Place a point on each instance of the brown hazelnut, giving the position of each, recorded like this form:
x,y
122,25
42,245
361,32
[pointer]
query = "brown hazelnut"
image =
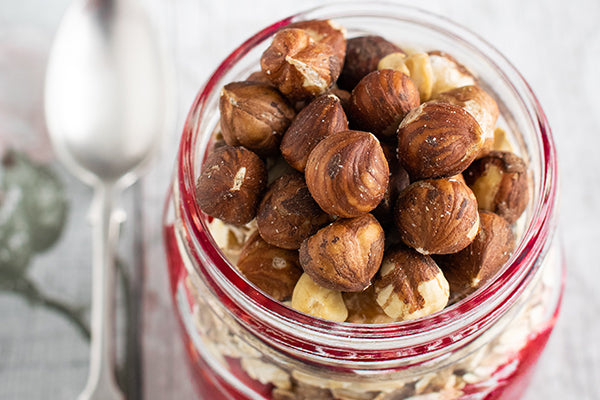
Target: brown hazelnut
x,y
448,73
500,183
300,67
254,115
259,76
325,31
319,119
363,53
347,173
480,105
364,309
381,100
345,254
438,140
344,97
288,214
437,216
273,270
231,183
478,262
410,285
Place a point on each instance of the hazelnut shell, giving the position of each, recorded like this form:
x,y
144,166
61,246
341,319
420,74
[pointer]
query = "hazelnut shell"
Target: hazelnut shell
x,y
363,53
300,67
320,118
345,254
231,184
438,140
254,115
500,183
381,100
437,216
288,214
410,285
482,259
347,173
273,270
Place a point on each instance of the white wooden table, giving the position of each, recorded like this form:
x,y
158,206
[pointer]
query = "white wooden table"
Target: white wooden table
x,y
556,46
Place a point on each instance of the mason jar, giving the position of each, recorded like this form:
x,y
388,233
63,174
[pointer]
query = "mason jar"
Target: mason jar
x,y
242,344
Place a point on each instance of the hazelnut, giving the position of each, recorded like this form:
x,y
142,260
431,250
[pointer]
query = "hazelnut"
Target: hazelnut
x,y
319,119
325,31
254,115
363,53
417,66
231,183
480,105
399,179
448,73
394,61
438,140
501,141
300,67
288,214
347,173
478,262
345,254
259,76
500,183
364,309
273,270
437,216
410,285
310,298
381,100
343,95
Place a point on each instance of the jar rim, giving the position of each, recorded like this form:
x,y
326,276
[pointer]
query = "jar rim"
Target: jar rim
x,y
299,333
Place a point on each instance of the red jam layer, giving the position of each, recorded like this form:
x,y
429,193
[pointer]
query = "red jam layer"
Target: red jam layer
x,y
510,380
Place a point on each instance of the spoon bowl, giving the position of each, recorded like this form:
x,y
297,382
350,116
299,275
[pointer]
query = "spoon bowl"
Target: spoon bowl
x,y
105,97
107,100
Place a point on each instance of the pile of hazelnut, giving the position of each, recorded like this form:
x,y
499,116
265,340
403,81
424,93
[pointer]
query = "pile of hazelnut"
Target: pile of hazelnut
x,y
393,200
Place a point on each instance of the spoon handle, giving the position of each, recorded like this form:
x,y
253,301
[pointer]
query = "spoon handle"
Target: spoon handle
x,y
101,384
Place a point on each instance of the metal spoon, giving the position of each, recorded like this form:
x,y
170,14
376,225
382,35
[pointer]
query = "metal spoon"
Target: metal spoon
x,y
106,102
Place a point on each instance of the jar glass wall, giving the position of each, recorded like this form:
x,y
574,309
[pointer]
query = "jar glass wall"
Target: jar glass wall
x,y
243,344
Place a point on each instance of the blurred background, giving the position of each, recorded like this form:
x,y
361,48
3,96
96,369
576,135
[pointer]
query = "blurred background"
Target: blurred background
x,y
45,251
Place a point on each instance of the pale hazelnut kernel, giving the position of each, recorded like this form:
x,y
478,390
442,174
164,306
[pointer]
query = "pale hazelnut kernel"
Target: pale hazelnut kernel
x,y
310,298
345,254
448,73
437,216
410,285
394,61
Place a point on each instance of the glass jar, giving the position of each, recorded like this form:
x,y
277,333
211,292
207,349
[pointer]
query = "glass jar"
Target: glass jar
x,y
244,345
